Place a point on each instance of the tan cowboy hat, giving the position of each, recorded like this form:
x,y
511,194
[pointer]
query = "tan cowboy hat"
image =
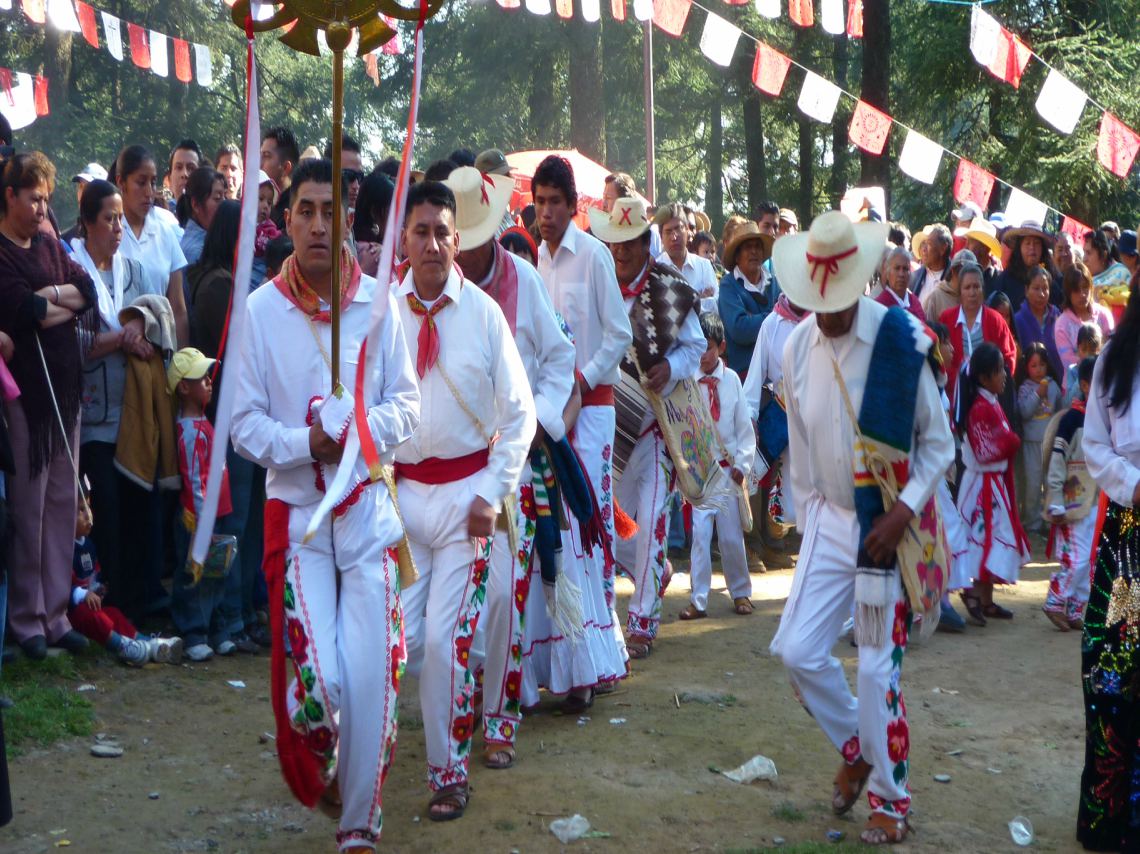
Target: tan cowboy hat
x,y
984,231
703,221
626,221
746,232
827,268
480,202
918,239
1029,228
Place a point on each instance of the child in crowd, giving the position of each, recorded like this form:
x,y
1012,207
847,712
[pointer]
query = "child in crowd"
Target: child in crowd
x,y
196,603
734,425
1071,502
996,544
276,252
1038,398
1089,341
267,230
105,624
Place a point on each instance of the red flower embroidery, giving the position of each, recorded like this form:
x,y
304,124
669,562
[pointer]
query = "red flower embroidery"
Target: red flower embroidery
x,y
899,631
298,643
462,649
463,727
514,684
898,740
526,503
851,750
605,483
478,572
516,652
659,531
320,740
606,451
395,668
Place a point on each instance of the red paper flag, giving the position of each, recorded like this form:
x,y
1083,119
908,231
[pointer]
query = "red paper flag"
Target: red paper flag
x,y
972,184
392,46
87,23
372,68
617,9
736,2
801,12
769,70
1010,59
6,86
140,45
36,10
1116,146
670,15
869,128
509,4
564,8
182,60
1075,229
41,90
855,19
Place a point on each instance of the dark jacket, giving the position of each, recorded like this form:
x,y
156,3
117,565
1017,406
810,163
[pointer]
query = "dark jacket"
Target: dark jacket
x,y
918,279
742,312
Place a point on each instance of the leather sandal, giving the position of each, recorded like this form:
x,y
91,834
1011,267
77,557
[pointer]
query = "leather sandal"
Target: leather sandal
x,y
849,783
456,795
973,606
1057,619
639,647
691,612
492,754
894,830
743,605
330,803
994,611
575,704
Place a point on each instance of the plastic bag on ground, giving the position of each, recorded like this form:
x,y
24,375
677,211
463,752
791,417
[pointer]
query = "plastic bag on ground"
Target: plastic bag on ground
x,y
756,768
569,829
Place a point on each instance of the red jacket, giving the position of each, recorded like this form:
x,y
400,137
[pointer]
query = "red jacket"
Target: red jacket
x,y
994,330
887,298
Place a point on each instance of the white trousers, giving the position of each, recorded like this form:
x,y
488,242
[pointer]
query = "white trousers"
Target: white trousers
x,y
643,492
441,612
734,563
823,592
345,647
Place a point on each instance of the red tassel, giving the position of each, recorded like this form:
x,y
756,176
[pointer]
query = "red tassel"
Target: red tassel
x,y
624,526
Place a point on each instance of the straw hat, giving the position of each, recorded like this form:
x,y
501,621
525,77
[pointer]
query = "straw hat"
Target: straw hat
x,y
480,202
1029,228
918,239
827,268
703,221
746,232
625,222
985,233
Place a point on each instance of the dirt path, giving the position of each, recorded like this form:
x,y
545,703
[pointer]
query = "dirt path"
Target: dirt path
x,y
192,739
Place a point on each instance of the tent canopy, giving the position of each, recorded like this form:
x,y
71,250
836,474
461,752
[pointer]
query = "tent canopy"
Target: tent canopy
x,y
589,175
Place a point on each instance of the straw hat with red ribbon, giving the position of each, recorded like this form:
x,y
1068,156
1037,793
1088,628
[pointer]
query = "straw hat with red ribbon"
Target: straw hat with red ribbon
x,y
827,268
480,202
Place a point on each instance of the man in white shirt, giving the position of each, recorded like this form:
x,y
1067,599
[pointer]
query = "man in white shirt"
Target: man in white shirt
x,y
698,271
667,348
548,357
477,420
578,272
826,271
336,723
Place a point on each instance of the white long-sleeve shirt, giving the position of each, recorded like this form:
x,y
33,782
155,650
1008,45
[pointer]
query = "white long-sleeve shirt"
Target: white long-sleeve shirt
x,y
546,352
767,365
482,361
821,437
583,286
283,369
699,273
1112,440
734,426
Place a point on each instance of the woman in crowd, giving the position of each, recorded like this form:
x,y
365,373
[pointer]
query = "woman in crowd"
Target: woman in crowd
x,y
1110,657
205,189
971,324
1103,262
748,293
1030,247
45,302
148,238
517,240
117,504
1036,320
1079,307
370,220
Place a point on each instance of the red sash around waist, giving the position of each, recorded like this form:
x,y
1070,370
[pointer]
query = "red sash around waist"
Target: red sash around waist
x,y
602,395
437,470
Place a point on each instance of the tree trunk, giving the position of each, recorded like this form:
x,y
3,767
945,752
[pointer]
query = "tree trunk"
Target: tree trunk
x,y
542,105
876,171
57,64
587,97
804,203
714,193
751,112
839,150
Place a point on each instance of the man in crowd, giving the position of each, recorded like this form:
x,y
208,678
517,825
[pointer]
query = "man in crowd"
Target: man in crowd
x,y
184,159
667,348
336,722
854,366
228,161
90,172
789,222
454,475
351,166
619,185
675,237
934,245
768,218
279,157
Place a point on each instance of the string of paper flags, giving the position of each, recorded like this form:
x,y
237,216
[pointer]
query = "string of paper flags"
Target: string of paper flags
x,y
23,98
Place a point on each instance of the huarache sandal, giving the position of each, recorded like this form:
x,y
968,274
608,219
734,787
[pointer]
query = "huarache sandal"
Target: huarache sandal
x,y
743,605
973,608
639,648
454,796
849,783
1077,624
1057,619
996,612
576,704
330,803
691,612
498,756
881,829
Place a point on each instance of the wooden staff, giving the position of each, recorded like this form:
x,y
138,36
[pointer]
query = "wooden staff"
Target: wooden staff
x,y
337,35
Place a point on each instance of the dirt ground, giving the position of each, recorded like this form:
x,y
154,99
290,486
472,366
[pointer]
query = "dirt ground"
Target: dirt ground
x,y
194,776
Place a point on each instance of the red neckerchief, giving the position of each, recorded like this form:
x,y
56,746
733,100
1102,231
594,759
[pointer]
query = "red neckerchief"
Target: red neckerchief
x,y
634,291
294,288
710,382
1079,405
427,345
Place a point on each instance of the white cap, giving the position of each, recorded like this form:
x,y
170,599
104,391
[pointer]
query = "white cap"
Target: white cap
x,y
90,172
968,212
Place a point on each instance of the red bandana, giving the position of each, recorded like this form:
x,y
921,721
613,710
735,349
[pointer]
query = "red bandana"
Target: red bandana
x,y
299,292
714,399
634,290
427,345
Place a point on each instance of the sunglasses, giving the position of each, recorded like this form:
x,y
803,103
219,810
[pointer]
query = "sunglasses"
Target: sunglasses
x,y
351,175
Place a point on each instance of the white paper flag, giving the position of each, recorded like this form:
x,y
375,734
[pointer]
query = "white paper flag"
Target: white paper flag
x,y
643,9
20,111
1022,208
538,7
159,63
768,8
591,10
832,18
6,5
920,157
113,35
719,39
62,15
203,67
1061,102
984,35
818,97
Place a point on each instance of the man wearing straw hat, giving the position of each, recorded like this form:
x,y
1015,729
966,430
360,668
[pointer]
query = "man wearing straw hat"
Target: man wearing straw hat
x,y
855,356
548,356
336,722
454,476
667,347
